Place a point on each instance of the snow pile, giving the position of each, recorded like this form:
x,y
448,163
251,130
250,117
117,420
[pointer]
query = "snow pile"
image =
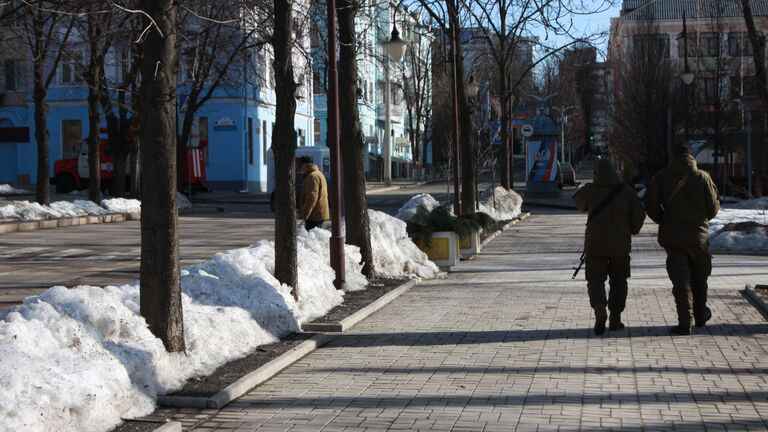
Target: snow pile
x,y
408,210
394,254
31,211
122,205
739,230
508,204
6,189
182,201
80,359
754,204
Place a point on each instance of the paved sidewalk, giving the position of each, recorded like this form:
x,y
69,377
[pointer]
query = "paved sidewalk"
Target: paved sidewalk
x,y
505,343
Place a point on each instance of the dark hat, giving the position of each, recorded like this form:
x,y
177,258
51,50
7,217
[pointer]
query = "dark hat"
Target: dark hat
x,y
681,148
306,160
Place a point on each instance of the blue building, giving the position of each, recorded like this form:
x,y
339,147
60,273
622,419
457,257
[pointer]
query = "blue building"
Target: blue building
x,y
234,127
373,27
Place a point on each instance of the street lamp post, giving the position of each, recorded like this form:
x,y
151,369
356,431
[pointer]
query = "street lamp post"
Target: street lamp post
x,y
396,50
687,77
746,104
337,239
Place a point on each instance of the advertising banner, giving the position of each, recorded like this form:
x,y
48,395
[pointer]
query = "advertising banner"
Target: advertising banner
x,y
542,161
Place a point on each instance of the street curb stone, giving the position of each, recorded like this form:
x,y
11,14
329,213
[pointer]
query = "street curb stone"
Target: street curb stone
x,y
24,226
745,253
361,314
246,383
749,290
170,426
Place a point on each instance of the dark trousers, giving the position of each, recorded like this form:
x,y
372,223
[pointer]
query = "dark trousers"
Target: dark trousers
x,y
688,269
598,270
310,224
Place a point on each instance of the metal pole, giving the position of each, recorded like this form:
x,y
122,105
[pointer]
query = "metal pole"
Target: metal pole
x,y
337,239
388,128
456,160
749,152
562,134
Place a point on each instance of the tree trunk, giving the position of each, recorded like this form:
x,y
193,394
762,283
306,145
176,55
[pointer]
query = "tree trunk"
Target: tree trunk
x,y
507,156
467,155
758,49
352,143
160,288
94,162
43,190
284,147
136,168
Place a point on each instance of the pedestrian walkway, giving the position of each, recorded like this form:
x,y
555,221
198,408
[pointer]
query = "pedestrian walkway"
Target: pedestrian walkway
x,y
505,343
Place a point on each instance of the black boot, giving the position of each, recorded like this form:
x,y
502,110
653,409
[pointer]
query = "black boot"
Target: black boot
x,y
680,330
702,320
600,317
614,323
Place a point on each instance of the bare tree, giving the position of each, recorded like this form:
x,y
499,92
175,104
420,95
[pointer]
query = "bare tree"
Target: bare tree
x,y
416,75
757,40
160,288
352,142
645,87
217,44
45,30
284,146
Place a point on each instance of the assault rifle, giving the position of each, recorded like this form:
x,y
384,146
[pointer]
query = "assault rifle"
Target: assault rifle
x,y
581,264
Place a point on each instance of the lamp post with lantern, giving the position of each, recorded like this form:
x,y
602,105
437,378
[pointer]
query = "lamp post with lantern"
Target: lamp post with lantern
x,y
396,48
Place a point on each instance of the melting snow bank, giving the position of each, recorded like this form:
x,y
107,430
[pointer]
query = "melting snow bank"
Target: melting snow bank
x,y
31,211
501,203
739,230
122,205
6,189
80,359
408,210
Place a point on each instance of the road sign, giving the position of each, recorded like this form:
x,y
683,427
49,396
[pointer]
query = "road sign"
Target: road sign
x,y
527,130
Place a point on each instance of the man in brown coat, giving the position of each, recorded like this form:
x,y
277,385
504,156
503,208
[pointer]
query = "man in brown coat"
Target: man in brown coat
x,y
313,208
682,200
615,214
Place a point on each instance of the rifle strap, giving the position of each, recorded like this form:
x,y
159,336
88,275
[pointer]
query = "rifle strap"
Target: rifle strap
x,y
602,205
677,190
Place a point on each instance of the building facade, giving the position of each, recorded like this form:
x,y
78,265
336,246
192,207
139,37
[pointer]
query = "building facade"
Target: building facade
x,y
233,127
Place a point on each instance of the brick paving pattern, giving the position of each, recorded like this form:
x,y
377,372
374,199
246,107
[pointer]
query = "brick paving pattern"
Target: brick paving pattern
x,y
505,343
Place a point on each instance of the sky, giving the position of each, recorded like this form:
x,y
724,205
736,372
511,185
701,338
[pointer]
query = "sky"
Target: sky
x,y
591,24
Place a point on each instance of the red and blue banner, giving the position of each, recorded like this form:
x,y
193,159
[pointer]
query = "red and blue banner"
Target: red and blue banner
x,y
542,161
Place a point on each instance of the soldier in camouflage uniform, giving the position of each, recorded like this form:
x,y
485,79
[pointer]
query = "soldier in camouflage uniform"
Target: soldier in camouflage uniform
x,y
682,200
608,240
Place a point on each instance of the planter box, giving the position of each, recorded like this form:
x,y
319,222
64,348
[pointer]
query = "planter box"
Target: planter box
x,y
470,244
443,250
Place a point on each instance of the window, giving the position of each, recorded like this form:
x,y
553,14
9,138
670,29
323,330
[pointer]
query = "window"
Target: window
x,y
203,130
708,89
739,45
264,141
712,45
72,67
250,140
71,138
13,75
656,45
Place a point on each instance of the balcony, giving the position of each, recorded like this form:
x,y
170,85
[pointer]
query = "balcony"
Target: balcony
x,y
395,112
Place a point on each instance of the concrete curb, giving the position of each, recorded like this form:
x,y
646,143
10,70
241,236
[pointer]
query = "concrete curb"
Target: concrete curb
x,y
168,426
23,226
492,237
749,290
743,253
246,383
362,314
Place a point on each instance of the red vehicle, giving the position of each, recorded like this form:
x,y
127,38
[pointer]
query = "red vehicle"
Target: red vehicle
x,y
72,173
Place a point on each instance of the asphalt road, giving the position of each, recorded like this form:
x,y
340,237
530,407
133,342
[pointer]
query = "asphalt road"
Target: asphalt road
x,y
108,254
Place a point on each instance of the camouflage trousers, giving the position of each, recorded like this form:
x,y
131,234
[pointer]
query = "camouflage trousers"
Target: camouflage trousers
x,y
614,269
688,268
